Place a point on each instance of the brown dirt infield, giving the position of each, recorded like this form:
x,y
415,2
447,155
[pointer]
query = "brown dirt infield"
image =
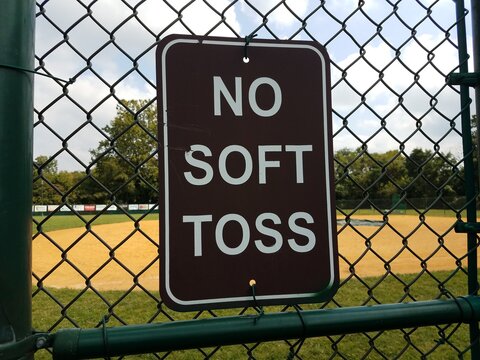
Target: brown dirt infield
x,y
137,253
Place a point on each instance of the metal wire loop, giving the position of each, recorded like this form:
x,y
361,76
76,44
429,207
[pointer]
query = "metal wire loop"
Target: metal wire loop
x,y
257,307
248,39
18,68
105,319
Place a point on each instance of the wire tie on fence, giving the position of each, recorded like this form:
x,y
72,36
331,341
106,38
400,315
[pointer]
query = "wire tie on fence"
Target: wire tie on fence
x,y
449,295
18,68
105,336
302,320
248,39
470,305
252,284
443,339
292,353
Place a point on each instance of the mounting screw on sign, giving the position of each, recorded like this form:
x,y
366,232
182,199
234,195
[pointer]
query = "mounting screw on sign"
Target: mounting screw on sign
x,y
246,191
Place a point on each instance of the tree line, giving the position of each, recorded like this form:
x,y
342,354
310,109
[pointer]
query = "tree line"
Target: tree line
x,y
125,169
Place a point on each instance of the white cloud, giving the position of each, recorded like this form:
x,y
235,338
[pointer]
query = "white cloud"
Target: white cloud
x,y
281,16
418,94
343,8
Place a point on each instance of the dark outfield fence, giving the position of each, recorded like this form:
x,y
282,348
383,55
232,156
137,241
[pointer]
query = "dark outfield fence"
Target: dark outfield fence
x,y
400,80
449,205
87,209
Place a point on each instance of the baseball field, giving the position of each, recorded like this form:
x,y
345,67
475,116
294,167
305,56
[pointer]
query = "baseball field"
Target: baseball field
x,y
404,243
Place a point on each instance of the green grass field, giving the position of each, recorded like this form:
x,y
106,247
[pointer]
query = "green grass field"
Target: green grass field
x,y
60,222
138,307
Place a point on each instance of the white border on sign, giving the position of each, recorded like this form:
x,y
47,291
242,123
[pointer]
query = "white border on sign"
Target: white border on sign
x,y
166,162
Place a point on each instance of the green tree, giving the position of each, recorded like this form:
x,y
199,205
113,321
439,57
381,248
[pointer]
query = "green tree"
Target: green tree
x,y
460,183
74,183
359,174
345,186
392,177
430,173
126,162
475,139
44,175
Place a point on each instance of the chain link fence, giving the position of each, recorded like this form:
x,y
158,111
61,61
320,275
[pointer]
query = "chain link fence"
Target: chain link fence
x,y
399,173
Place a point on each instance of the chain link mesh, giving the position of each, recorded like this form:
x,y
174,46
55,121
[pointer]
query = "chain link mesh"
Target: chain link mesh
x,y
389,94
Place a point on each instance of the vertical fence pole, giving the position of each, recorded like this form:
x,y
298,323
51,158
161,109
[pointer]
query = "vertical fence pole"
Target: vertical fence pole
x,y
475,11
476,67
470,188
17,24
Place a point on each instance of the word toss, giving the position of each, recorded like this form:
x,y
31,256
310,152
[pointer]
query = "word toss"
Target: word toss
x,y
245,155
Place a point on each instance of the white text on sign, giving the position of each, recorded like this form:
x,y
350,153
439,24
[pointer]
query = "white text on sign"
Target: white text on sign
x,y
200,157
263,163
236,104
199,220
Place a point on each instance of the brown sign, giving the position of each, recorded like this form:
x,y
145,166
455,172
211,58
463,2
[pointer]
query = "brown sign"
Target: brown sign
x,y
246,173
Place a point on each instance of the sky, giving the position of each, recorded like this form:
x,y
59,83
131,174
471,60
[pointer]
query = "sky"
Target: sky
x,y
390,96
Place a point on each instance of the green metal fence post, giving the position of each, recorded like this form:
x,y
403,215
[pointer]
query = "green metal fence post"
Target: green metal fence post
x,y
470,188
475,9
70,344
17,23
476,66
